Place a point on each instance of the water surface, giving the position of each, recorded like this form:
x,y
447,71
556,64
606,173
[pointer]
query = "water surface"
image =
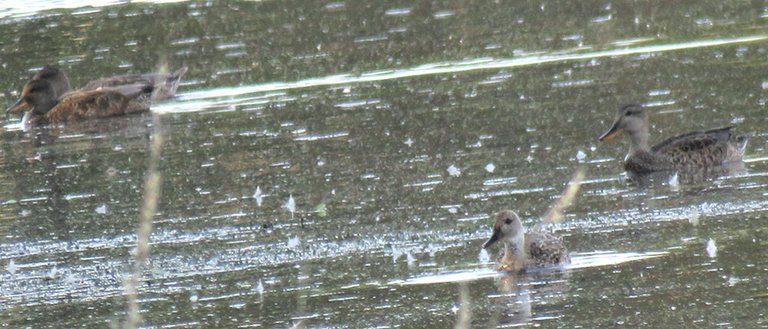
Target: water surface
x,y
397,129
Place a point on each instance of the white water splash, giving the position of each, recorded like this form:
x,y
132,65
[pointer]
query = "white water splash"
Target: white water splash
x,y
454,171
258,196
674,182
483,257
294,242
290,205
53,273
580,155
102,209
695,217
11,268
260,287
410,259
711,248
396,253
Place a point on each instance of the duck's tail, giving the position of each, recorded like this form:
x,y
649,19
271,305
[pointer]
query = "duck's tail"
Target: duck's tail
x,y
168,84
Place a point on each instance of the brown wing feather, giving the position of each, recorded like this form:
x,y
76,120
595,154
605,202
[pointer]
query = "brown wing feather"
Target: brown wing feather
x,y
545,248
84,105
705,148
166,83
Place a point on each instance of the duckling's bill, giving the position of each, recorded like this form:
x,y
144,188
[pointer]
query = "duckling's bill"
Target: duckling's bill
x,y
494,237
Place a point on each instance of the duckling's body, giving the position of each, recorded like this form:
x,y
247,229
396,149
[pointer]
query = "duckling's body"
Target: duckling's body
x,y
694,150
522,250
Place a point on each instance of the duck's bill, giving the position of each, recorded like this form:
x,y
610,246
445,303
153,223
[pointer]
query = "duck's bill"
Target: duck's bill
x,y
611,133
17,107
493,239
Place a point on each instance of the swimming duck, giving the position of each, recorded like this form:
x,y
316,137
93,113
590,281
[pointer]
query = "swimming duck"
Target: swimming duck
x,y
47,108
694,150
55,103
523,250
165,83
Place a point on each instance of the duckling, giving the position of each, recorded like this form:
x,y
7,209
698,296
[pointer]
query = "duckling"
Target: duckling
x,y
522,250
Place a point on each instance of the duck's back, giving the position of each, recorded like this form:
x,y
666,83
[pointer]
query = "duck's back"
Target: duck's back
x,y
84,105
701,148
166,83
544,248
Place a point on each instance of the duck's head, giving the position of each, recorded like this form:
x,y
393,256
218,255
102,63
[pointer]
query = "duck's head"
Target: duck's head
x,y
631,118
56,77
507,228
37,93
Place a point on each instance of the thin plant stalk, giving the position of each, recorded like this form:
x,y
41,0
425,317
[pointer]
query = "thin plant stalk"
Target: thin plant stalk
x,y
152,185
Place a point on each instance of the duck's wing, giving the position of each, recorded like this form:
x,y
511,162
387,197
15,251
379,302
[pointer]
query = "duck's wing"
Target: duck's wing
x,y
84,105
694,140
166,83
545,248
699,148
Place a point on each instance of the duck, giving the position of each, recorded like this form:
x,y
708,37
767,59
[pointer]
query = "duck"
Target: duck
x,y
690,151
166,83
523,250
49,93
47,108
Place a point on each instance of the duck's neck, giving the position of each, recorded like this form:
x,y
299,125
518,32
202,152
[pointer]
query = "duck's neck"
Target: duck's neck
x,y
514,253
639,140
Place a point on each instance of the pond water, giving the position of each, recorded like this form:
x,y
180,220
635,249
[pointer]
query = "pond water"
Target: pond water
x,y
337,164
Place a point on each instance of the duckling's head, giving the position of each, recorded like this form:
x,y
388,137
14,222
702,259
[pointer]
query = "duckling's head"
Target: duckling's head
x,y
631,118
507,228
39,94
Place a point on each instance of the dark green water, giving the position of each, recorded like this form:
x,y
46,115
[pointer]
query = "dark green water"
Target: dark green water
x,y
356,111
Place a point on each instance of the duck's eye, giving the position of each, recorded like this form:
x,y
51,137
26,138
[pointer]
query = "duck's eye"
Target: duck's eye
x,y
508,221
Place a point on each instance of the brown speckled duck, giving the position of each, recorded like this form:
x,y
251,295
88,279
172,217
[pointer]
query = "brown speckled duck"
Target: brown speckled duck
x,y
165,83
47,108
49,95
523,250
691,151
